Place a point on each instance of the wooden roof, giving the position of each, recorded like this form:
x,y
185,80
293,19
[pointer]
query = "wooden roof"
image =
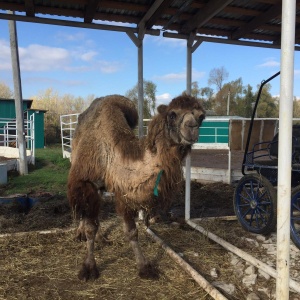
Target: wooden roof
x,y
256,23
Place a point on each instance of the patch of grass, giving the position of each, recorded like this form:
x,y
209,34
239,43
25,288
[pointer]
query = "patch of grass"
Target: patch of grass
x,y
49,174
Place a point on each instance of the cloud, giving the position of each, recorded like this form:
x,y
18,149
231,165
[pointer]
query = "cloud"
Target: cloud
x,y
88,56
5,57
164,98
53,81
34,57
42,58
173,77
64,36
109,67
270,62
39,58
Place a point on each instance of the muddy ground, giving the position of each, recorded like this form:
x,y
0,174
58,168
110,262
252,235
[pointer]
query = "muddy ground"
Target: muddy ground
x,y
44,265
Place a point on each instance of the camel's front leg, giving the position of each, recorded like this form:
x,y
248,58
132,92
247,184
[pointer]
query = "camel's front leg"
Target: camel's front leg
x,y
146,269
89,268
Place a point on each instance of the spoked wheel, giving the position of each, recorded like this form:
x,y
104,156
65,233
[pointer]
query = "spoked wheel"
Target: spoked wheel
x,y
255,204
295,216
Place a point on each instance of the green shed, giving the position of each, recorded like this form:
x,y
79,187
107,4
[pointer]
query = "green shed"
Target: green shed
x,y
8,111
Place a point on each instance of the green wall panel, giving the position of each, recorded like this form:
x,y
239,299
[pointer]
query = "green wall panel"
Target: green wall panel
x,y
214,132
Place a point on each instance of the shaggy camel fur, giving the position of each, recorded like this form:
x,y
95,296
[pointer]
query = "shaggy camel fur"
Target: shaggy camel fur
x,y
142,173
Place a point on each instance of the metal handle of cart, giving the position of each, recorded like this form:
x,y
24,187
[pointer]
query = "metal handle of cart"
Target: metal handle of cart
x,y
252,118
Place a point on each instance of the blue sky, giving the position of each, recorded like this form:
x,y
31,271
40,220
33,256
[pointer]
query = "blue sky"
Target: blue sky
x,y
82,62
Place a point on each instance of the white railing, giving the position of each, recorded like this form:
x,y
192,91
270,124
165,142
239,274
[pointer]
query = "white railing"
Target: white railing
x,y
145,126
9,137
67,126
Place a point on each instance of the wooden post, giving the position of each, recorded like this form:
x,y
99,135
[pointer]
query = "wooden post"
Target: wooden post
x,y
23,168
140,89
138,41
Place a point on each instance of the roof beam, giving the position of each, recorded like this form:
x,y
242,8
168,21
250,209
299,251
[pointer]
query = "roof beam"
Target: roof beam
x,y
147,16
160,10
264,17
29,8
90,10
212,8
75,24
178,13
225,41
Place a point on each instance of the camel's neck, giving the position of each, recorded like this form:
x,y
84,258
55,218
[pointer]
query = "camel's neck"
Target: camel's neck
x,y
158,142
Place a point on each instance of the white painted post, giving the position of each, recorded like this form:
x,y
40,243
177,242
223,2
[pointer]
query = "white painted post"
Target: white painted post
x,y
285,148
33,138
187,213
188,158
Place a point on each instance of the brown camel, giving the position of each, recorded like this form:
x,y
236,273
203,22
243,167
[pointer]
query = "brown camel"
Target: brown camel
x,y
142,173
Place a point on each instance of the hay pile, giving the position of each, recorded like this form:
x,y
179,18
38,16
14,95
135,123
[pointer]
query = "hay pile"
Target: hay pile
x,y
45,266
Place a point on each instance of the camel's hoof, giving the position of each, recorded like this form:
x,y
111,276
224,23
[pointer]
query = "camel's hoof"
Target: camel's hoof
x,y
80,236
101,239
149,271
88,272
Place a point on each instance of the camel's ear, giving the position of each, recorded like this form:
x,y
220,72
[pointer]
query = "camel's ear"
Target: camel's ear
x,y
162,109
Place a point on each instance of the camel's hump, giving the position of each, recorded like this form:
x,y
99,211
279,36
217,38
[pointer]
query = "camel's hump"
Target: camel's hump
x,y
110,105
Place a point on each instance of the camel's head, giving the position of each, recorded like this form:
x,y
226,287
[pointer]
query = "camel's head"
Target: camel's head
x,y
184,116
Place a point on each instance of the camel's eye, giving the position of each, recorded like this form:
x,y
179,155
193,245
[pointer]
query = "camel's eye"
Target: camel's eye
x,y
172,115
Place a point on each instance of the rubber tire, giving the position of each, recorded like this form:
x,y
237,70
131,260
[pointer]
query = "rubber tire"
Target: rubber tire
x,y
295,232
250,217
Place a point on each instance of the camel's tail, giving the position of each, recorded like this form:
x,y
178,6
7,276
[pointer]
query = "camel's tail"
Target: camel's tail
x,y
84,199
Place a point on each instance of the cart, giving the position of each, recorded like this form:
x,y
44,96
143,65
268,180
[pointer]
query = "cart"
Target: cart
x,y
255,196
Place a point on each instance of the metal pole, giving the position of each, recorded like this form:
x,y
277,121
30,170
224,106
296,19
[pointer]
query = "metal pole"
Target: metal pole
x,y
188,158
138,41
285,147
23,168
140,89
189,70
228,102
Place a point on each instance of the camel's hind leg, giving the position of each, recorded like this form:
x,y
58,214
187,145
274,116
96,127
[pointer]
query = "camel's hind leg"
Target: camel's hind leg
x,y
85,200
146,269
89,268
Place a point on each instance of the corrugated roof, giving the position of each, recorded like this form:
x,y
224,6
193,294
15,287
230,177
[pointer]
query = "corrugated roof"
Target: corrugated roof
x,y
236,21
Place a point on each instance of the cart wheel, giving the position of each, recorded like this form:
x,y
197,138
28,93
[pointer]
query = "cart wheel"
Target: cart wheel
x,y
255,204
295,216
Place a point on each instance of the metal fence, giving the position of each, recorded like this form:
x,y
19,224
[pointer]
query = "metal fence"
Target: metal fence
x,y
9,137
67,126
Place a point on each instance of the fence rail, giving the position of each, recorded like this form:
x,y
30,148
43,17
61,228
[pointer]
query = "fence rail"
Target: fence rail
x,y
9,137
67,126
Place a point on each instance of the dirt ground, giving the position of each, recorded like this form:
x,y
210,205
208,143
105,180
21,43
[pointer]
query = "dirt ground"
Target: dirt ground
x,y
44,265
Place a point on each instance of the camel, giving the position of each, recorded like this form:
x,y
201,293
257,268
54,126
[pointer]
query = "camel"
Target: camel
x,y
143,174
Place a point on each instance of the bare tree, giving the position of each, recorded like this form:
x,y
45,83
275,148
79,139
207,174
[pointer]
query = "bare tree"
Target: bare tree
x,y
5,91
195,89
149,98
217,76
57,105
